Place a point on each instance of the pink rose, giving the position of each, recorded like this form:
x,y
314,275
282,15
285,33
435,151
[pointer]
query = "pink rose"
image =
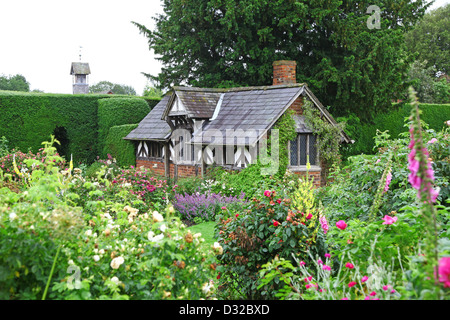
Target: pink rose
x,y
364,279
341,224
267,193
352,284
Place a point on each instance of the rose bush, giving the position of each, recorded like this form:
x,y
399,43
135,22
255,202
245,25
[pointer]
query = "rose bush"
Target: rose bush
x,y
274,225
104,248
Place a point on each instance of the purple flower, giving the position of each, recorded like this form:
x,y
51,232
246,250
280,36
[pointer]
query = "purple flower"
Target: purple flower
x,y
203,205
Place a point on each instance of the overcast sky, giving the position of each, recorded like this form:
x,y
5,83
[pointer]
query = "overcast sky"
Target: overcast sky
x,y
41,38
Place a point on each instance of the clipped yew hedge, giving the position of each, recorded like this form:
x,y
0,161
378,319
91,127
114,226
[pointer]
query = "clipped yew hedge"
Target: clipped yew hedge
x,y
27,119
119,111
432,114
122,150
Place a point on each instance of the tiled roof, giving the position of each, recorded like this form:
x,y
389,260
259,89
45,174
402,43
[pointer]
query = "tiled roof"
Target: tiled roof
x,y
198,104
300,124
248,114
152,127
80,68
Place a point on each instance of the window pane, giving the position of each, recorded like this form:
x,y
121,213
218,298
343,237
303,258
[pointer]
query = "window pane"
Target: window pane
x,y
181,148
312,150
294,153
303,149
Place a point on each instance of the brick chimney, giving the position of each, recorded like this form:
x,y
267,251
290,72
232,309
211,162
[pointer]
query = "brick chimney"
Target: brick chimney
x,y
284,72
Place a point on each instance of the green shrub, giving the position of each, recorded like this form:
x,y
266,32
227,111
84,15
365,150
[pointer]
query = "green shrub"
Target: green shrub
x,y
119,111
276,224
29,118
122,150
432,114
103,249
92,170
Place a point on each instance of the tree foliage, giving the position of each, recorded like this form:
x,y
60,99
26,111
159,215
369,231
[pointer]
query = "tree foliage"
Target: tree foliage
x,y
105,86
14,83
429,87
430,39
348,64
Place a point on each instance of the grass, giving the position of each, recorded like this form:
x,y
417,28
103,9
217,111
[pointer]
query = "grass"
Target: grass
x,y
207,231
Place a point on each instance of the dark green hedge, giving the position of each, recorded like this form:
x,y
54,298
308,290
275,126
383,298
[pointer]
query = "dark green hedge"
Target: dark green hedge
x,y
433,114
122,150
119,111
28,119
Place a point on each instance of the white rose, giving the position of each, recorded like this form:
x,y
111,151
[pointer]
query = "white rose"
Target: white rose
x,y
116,262
163,227
12,216
158,238
217,247
115,280
88,232
96,258
150,235
157,217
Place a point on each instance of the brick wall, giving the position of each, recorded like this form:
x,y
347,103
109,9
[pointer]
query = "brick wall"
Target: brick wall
x,y
296,106
157,167
318,181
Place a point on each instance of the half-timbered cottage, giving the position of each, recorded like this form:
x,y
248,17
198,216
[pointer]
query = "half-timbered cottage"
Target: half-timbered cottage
x,y
193,128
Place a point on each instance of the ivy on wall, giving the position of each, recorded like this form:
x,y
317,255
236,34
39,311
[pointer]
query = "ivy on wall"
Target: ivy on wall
x,y
286,132
329,135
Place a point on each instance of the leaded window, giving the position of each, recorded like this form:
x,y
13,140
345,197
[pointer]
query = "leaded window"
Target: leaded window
x,y
302,146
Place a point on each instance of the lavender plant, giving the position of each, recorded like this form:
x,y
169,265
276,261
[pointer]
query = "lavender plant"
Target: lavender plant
x,y
204,205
